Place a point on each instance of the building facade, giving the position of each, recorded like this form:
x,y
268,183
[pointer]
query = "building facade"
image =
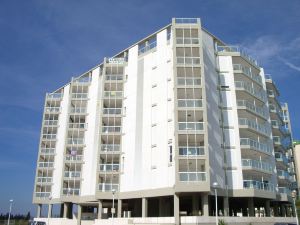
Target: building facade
x,y
155,126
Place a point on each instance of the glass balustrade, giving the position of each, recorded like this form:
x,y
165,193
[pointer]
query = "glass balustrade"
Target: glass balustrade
x,y
110,147
109,167
108,187
258,185
192,103
192,126
192,176
263,147
191,151
256,164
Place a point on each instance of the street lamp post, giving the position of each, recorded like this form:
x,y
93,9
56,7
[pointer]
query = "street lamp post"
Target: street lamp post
x,y
294,195
113,203
215,185
10,207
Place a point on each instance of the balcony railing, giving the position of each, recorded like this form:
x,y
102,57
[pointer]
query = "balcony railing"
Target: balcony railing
x,y
78,110
82,80
49,136
113,94
251,107
282,174
187,41
239,50
108,187
74,157
188,60
72,174
50,122
42,194
256,164
190,103
44,179
77,125
55,96
253,125
114,77
75,141
109,167
52,109
110,147
185,20
190,126
192,176
46,164
258,185
71,191
281,158
247,71
263,147
111,129
47,151
112,111
79,95
188,81
191,151
241,85
147,47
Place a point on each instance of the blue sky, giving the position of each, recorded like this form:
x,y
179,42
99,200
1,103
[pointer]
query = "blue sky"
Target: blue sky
x,y
43,43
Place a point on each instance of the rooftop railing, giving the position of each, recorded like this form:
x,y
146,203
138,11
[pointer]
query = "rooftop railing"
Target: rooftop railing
x,y
186,20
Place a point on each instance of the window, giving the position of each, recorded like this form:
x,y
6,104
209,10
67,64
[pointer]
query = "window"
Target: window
x,y
170,154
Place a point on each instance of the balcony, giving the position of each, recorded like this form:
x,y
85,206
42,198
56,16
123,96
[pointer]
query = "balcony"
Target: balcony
x,y
109,167
46,164
82,80
247,87
114,77
238,68
72,174
181,81
49,136
192,176
145,48
251,124
47,151
188,60
42,194
113,94
187,41
54,96
191,151
50,123
282,174
74,157
112,111
277,140
111,129
108,187
71,191
190,103
52,109
77,125
81,96
190,126
80,110
44,179
257,165
110,147
258,185
260,111
252,144
281,158
75,141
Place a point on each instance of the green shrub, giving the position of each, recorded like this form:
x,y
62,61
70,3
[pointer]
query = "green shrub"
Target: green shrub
x,y
222,222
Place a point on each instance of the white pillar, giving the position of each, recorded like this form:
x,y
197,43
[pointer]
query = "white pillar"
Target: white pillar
x,y
144,207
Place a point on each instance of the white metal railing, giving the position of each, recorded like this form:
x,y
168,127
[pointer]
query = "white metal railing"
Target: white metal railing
x,y
114,77
49,136
108,187
112,111
78,110
261,165
71,191
239,50
263,147
52,109
247,71
109,167
47,150
188,81
193,103
75,141
72,174
251,107
263,129
50,122
46,164
55,96
82,80
44,179
187,41
192,176
110,147
190,126
259,185
113,94
188,60
77,125
147,47
79,95
111,129
42,194
191,151
186,20
74,157
242,85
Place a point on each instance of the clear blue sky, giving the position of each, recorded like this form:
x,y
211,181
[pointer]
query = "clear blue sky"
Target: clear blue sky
x,y
43,43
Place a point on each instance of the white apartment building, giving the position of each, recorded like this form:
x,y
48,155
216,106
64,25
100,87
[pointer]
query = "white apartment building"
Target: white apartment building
x,y
159,126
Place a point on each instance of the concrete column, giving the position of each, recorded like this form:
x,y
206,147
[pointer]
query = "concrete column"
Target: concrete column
x,y
204,205
251,207
144,207
226,206
161,207
39,210
195,204
282,210
176,209
65,210
50,210
267,208
119,215
79,212
100,206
